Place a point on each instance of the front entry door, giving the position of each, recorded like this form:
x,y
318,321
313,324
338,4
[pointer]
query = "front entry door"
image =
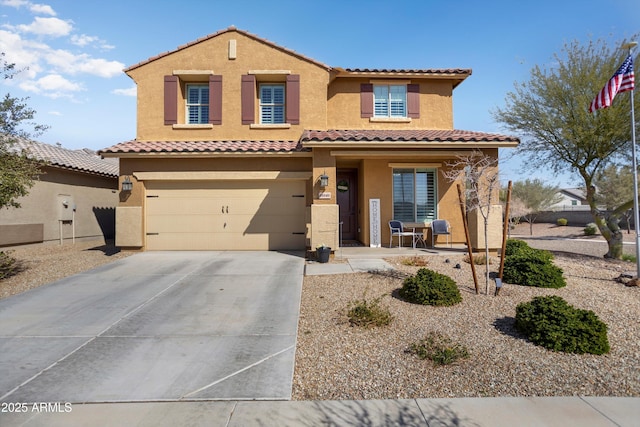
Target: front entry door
x,y
347,191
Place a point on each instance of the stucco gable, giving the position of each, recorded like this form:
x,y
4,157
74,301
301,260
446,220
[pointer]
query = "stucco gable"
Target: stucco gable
x,y
225,31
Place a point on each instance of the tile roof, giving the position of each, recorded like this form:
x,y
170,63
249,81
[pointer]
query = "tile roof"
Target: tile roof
x,y
226,30
82,160
409,135
204,147
460,71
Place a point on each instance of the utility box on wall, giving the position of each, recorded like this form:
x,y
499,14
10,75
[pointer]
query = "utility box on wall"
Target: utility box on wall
x,y
66,207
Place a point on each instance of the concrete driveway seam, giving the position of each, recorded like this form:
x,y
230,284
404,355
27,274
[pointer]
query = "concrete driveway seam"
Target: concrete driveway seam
x,y
264,359
80,347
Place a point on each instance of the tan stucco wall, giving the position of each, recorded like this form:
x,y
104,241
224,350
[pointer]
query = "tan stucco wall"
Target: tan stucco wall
x,y
436,108
212,54
95,198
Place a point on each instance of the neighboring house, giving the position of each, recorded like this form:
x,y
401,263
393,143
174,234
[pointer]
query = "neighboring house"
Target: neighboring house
x,y
243,144
75,196
571,199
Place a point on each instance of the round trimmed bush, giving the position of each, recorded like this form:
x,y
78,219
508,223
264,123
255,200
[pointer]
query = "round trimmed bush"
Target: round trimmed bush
x,y
533,267
591,229
428,287
562,222
550,322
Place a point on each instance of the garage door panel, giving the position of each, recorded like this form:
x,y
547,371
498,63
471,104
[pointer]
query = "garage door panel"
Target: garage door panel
x,y
226,215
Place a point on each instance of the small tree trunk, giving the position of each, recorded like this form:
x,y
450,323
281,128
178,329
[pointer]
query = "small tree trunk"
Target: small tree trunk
x,y
486,253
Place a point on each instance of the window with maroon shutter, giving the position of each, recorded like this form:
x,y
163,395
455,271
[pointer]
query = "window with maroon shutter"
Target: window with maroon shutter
x,y
293,99
170,100
247,98
413,101
215,100
366,100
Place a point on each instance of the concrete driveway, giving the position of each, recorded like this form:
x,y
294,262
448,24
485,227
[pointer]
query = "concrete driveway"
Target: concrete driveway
x,y
156,326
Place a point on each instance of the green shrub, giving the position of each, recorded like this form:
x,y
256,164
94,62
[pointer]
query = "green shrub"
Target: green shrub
x,y
8,265
439,349
550,322
430,288
533,267
562,222
366,314
591,229
514,246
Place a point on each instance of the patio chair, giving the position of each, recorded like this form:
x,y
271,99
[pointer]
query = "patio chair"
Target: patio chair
x,y
397,229
440,227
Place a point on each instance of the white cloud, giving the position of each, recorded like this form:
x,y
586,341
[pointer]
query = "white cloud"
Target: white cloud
x,y
52,86
55,113
132,91
83,39
41,9
54,27
70,63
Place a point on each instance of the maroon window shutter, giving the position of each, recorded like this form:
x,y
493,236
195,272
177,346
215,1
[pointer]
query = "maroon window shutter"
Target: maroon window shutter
x,y
413,101
293,99
170,100
215,100
248,99
366,100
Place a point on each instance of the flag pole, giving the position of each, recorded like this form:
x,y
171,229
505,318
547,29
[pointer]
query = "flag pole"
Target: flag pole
x,y
636,218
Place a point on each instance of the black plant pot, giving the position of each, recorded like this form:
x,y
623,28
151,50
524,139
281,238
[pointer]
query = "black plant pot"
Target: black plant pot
x,y
323,254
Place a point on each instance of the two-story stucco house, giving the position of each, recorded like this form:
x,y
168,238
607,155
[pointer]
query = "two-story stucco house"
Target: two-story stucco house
x,y
245,145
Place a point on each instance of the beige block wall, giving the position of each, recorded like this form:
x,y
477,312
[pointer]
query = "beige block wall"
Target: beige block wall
x,y
324,226
95,198
212,54
494,228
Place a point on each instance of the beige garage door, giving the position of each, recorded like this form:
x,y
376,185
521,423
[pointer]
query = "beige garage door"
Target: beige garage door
x,y
225,215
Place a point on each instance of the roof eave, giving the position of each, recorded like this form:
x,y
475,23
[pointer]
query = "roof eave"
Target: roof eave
x,y
410,144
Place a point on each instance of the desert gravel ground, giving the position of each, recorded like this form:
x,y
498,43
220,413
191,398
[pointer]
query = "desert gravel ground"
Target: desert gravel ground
x,y
337,361
46,263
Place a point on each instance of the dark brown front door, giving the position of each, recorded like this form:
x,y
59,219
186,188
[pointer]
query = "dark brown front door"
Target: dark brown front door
x,y
347,191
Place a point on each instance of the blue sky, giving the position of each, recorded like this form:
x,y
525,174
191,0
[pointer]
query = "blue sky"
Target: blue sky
x,y
74,51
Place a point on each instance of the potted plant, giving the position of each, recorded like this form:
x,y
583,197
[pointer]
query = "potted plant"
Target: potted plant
x,y
322,253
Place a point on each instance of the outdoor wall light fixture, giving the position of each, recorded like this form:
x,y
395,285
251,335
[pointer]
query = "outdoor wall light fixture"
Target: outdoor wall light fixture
x,y
324,180
127,185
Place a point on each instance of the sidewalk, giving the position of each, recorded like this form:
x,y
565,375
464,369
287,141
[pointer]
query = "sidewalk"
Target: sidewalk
x,y
473,412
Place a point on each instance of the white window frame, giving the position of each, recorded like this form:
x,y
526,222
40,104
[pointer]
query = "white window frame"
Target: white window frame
x,y
430,205
388,106
200,105
271,106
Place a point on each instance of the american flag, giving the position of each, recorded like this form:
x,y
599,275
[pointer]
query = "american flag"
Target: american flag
x,y
621,81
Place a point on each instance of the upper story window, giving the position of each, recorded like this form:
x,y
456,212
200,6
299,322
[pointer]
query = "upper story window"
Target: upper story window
x,y
390,100
192,99
272,103
270,99
197,104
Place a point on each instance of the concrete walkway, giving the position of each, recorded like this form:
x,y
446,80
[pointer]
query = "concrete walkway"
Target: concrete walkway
x,y
468,412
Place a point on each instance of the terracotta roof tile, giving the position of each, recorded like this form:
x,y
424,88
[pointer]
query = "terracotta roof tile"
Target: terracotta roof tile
x,y
82,160
461,71
203,147
427,135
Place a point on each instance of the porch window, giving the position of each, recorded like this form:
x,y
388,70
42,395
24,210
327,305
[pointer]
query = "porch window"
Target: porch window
x,y
390,100
414,195
272,104
197,103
